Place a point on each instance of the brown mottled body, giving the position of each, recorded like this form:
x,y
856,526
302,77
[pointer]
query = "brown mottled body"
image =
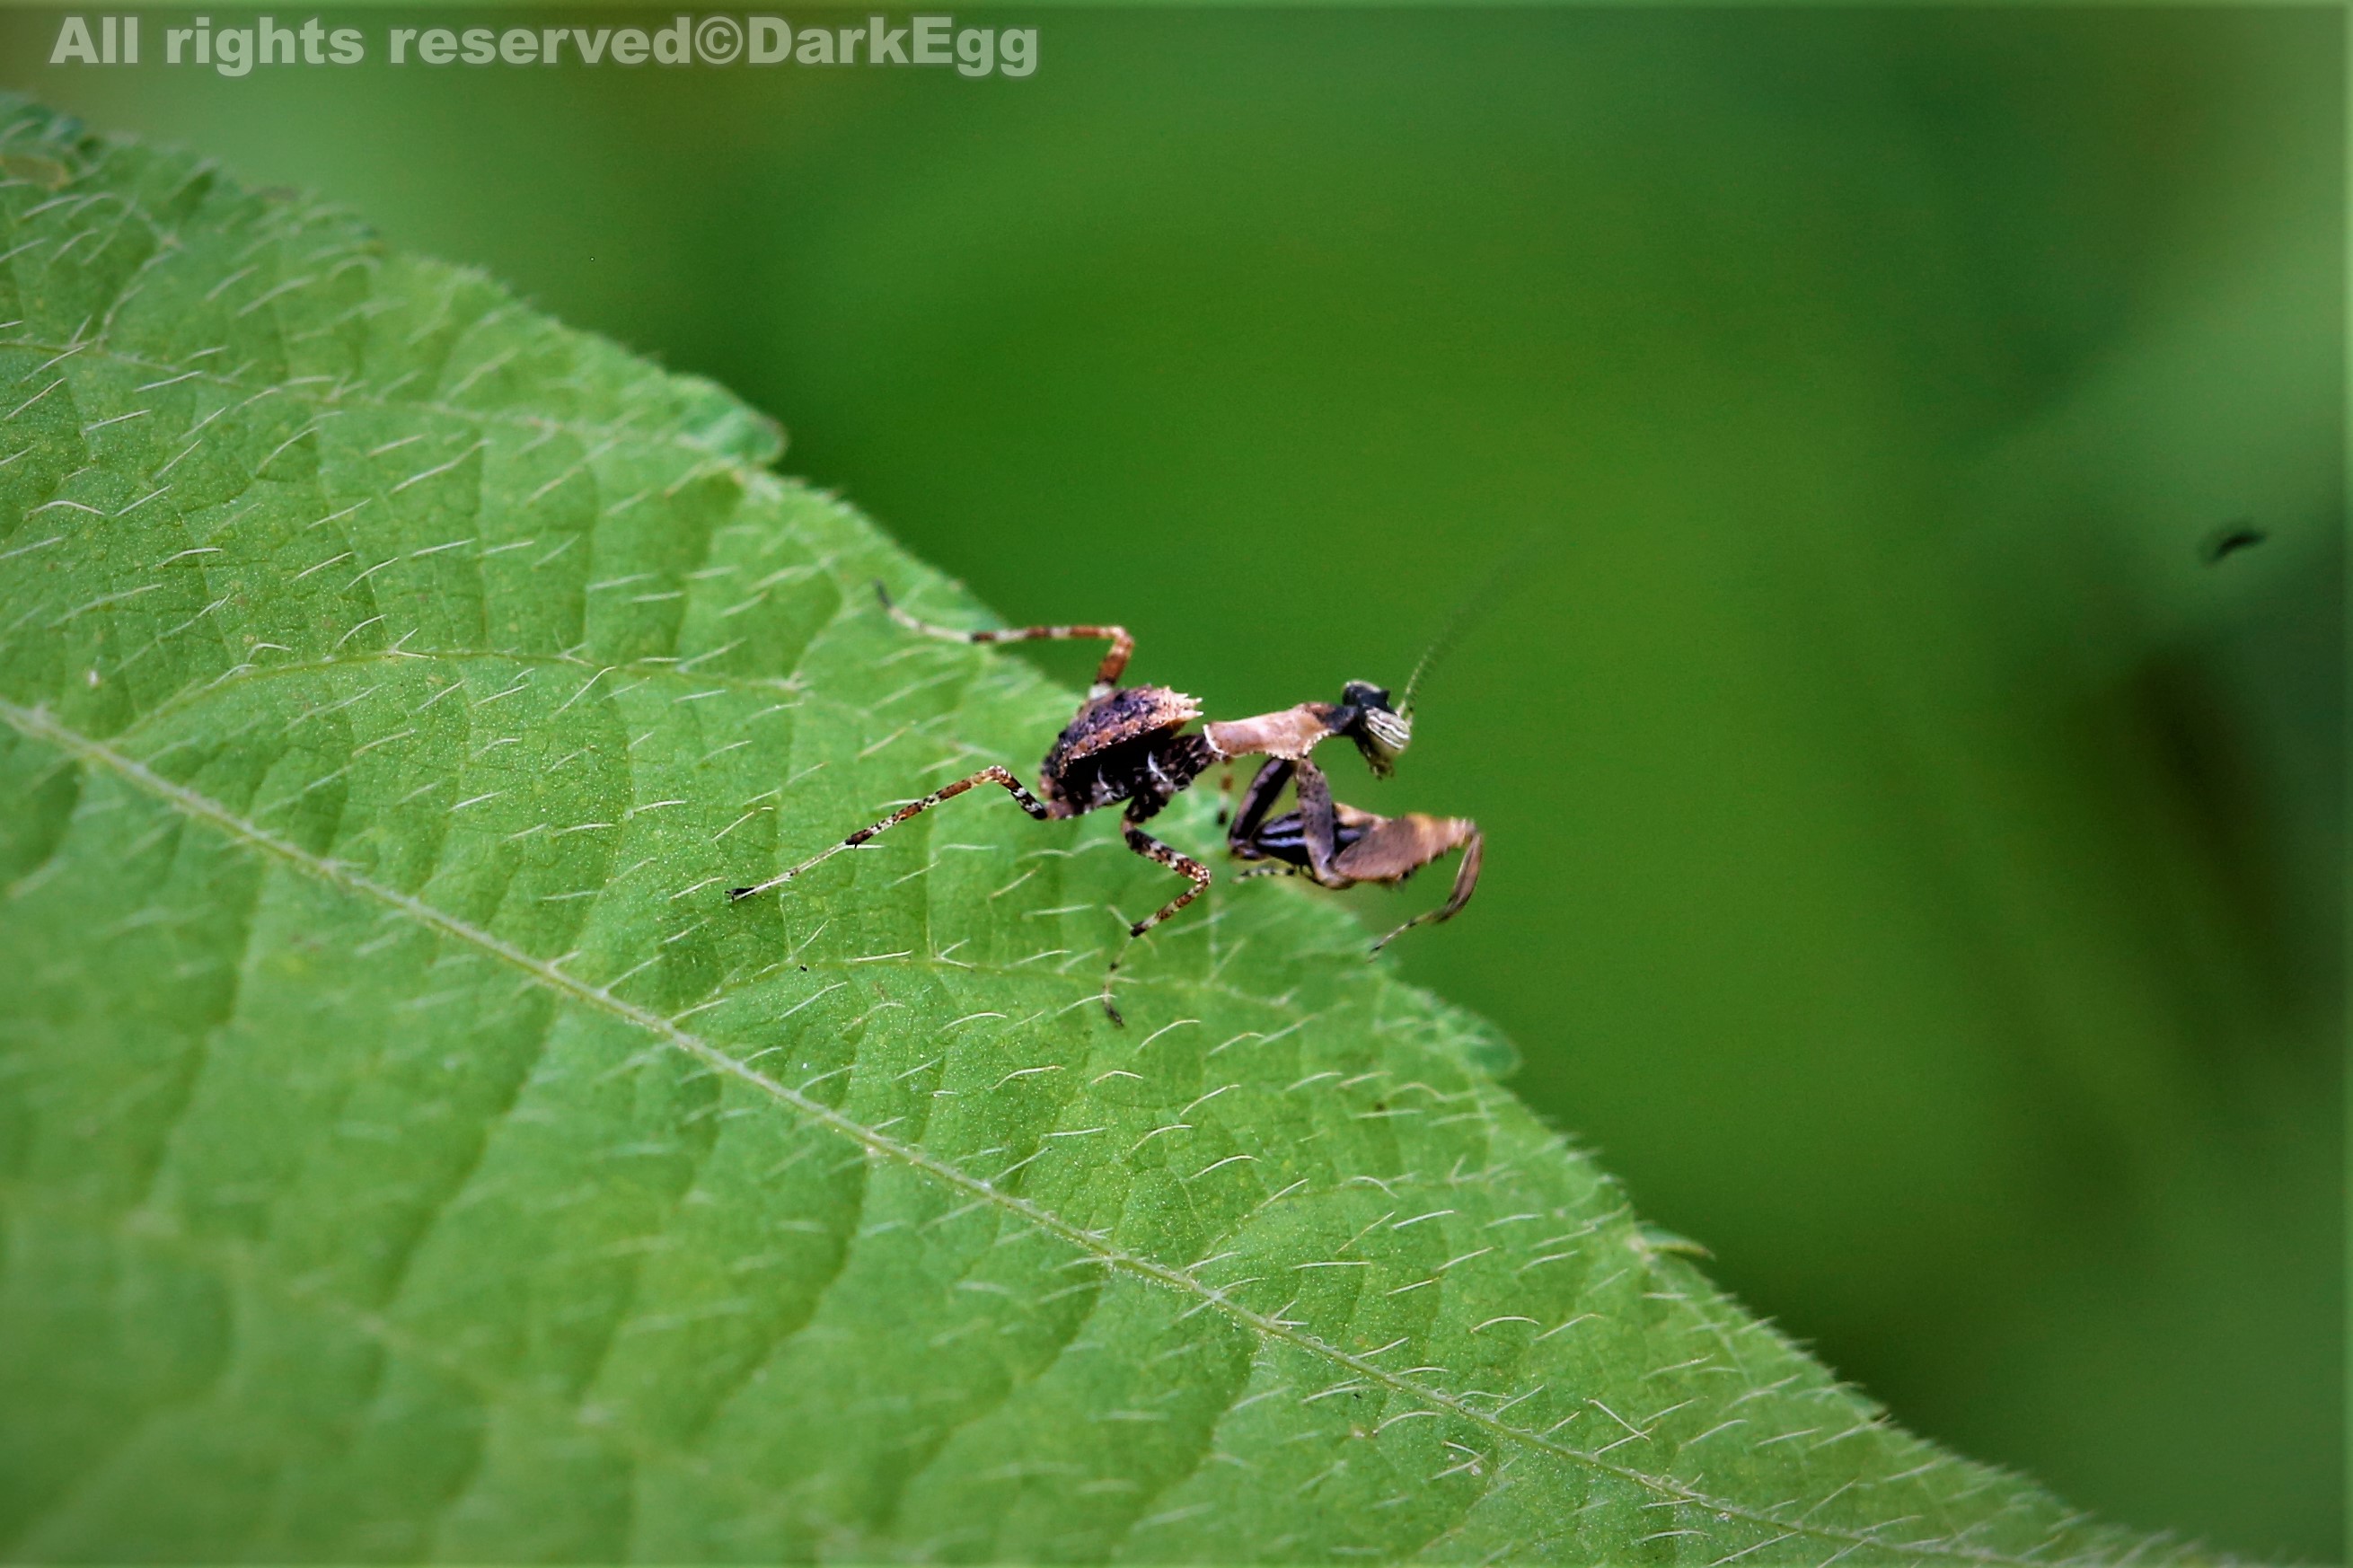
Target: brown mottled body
x,y
1131,744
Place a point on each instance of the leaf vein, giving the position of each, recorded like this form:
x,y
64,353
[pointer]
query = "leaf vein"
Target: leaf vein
x,y
39,724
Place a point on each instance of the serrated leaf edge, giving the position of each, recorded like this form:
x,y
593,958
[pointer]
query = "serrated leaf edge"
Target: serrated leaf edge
x,y
36,723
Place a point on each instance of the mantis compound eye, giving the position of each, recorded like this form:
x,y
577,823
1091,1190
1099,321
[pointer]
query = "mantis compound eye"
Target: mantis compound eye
x,y
1380,732
1392,733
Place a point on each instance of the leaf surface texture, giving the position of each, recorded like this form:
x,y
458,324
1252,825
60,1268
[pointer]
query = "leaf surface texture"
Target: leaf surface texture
x,y
405,1150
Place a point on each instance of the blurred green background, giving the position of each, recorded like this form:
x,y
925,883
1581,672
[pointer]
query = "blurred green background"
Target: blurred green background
x,y
1913,864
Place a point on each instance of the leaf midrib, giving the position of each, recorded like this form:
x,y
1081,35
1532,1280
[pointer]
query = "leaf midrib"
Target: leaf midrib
x,y
38,724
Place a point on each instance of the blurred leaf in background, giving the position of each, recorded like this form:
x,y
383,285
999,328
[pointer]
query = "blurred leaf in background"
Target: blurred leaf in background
x,y
1914,860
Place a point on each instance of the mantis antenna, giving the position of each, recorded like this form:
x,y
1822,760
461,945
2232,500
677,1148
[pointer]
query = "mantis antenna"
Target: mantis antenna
x,y
1497,582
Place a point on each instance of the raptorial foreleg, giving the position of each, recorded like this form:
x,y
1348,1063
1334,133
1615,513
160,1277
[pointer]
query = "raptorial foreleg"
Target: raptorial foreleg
x,y
1308,838
1393,849
1337,846
1249,820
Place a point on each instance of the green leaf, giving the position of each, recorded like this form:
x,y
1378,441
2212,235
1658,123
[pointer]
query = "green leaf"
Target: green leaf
x,y
405,1150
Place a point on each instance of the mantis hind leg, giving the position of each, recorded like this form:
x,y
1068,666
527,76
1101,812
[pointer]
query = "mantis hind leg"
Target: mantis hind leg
x,y
1107,673
991,774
